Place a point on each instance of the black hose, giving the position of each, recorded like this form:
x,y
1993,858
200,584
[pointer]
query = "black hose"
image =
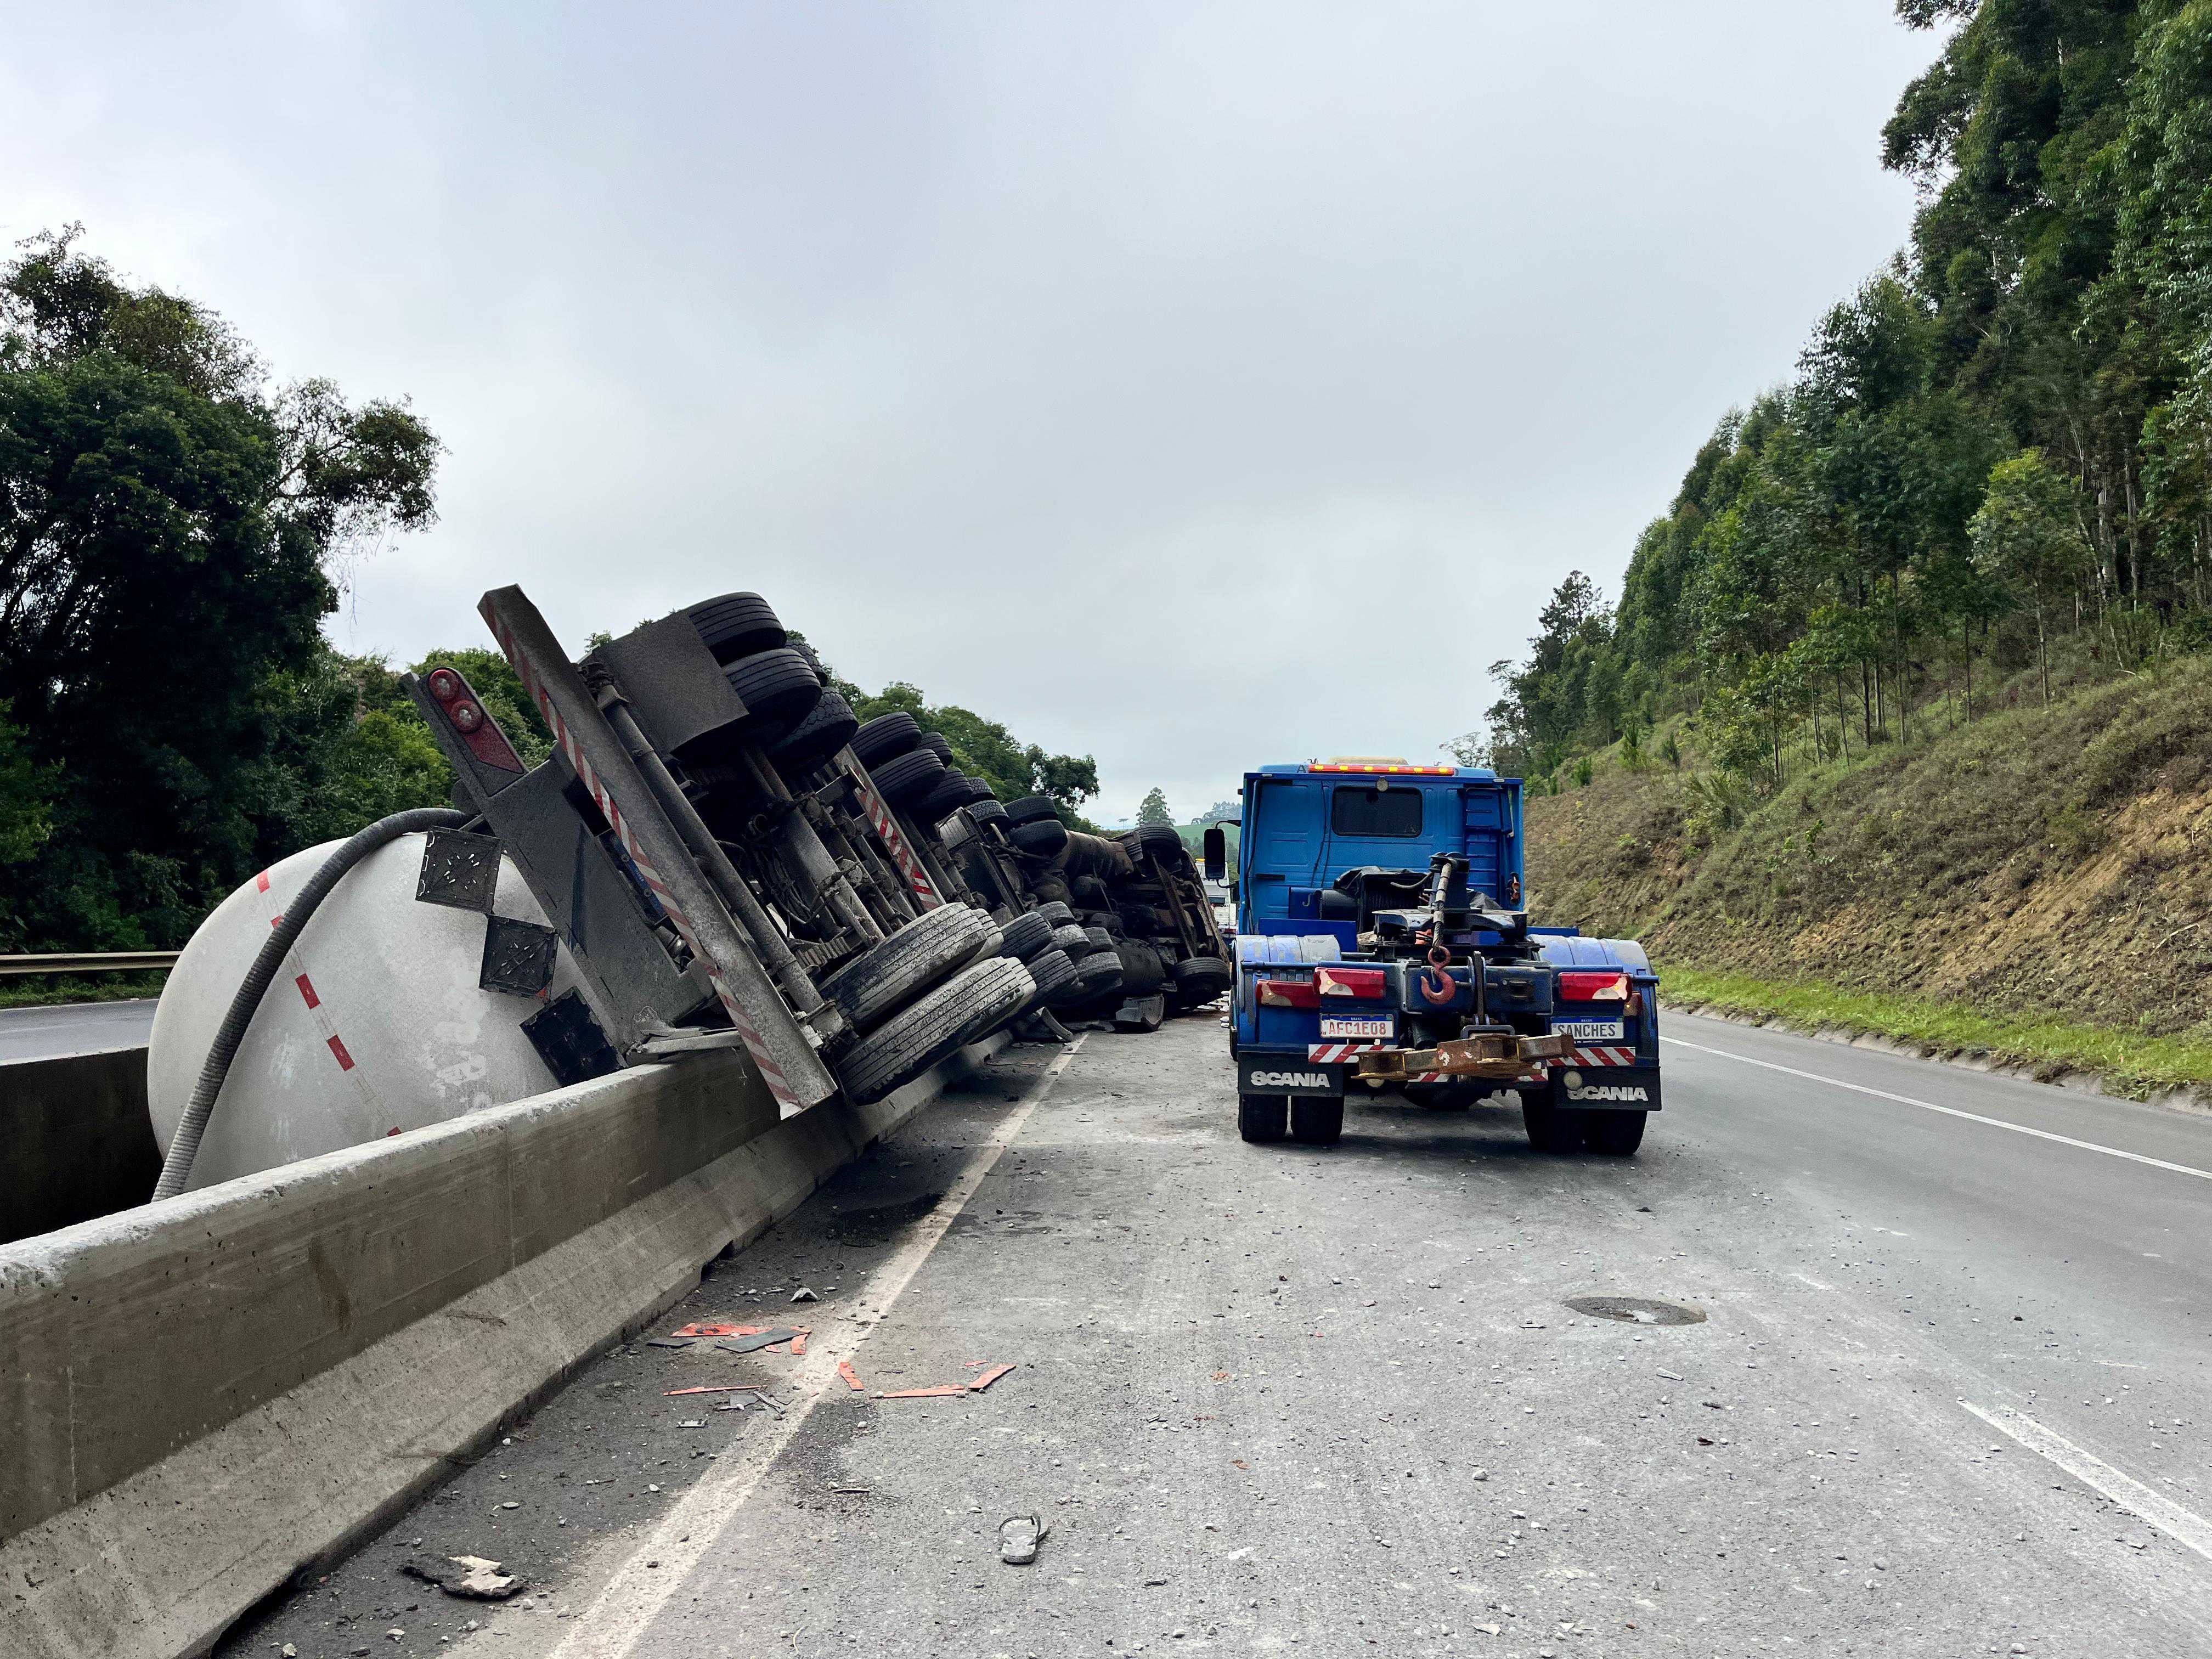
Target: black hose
x,y
185,1143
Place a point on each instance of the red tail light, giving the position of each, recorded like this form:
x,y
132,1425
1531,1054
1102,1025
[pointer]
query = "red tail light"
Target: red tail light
x,y
1352,981
1287,993
1594,987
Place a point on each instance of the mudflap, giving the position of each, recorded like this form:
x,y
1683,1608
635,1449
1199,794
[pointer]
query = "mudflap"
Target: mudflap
x,y
1287,1072
1614,1089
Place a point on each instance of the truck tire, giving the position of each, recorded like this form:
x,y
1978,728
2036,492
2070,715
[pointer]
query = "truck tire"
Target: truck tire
x,y
952,793
779,690
1550,1129
736,625
1024,936
916,1038
1044,836
1032,809
1142,970
1157,838
886,737
1615,1135
1261,1118
828,728
1053,972
1315,1122
939,745
1094,976
907,777
1201,978
926,951
1099,938
989,809
1070,939
998,1012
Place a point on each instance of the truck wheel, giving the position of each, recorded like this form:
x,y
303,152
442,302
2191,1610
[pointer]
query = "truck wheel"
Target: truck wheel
x,y
1316,1123
905,779
915,1039
736,625
1024,936
1056,912
1201,978
815,738
925,952
1072,939
1053,972
1550,1129
886,737
1031,809
1043,836
1259,1117
1616,1134
778,689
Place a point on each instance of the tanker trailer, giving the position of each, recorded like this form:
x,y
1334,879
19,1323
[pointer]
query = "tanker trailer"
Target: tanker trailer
x,y
423,984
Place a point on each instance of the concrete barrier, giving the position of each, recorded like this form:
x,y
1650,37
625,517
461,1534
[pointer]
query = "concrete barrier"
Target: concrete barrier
x,y
201,1397
75,1142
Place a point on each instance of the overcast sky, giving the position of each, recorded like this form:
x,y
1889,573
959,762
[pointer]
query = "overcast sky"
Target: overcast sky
x,y
1192,386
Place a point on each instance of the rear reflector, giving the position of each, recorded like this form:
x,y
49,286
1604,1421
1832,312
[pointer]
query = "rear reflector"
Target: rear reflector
x,y
1594,987
1287,992
1354,981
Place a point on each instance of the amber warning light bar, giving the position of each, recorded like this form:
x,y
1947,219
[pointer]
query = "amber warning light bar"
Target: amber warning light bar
x,y
1393,769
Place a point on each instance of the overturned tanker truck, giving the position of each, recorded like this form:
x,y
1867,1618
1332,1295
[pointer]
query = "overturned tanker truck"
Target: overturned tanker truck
x,y
718,853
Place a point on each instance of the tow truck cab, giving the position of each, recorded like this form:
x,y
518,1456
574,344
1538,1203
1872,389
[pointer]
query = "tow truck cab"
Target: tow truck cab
x,y
1378,914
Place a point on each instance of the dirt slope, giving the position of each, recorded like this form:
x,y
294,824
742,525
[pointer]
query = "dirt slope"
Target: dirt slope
x,y
2059,861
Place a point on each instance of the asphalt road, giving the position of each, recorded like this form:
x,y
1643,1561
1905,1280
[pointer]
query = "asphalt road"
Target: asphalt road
x,y
74,1028
1949,1396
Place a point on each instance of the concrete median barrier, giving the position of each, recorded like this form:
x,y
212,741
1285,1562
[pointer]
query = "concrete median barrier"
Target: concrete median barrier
x,y
199,1398
77,1143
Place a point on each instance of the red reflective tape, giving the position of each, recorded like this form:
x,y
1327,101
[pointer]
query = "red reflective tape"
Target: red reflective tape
x,y
339,1051
261,881
308,991
277,921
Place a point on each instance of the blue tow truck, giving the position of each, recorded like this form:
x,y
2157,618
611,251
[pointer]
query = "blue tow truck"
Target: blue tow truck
x,y
1381,944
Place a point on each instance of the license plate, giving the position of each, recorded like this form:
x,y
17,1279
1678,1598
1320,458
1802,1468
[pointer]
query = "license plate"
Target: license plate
x,y
1355,1026
1590,1031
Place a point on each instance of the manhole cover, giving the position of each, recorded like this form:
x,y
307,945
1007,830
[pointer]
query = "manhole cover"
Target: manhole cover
x,y
1638,1310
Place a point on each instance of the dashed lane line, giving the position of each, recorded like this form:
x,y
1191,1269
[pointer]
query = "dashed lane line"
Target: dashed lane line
x,y
1949,1111
619,1619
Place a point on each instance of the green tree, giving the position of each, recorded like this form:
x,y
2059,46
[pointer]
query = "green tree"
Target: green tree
x,y
2028,538
166,521
1153,809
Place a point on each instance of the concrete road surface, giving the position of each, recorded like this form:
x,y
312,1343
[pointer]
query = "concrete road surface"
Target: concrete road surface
x,y
74,1028
1949,1397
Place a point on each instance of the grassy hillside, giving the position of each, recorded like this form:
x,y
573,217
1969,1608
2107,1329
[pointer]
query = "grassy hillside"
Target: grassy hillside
x,y
2038,883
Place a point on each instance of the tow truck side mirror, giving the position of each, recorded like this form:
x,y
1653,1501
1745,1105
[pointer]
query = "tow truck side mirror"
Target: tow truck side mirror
x,y
1217,853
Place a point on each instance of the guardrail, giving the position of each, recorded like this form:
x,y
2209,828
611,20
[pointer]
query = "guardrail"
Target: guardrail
x,y
96,962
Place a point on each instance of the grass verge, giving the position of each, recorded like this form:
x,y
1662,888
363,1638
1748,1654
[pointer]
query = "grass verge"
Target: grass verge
x,y
43,990
2131,1064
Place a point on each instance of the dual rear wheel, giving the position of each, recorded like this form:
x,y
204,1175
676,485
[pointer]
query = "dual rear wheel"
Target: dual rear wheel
x,y
1309,1120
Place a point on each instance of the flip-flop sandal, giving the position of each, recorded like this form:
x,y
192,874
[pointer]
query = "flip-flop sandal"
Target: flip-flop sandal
x,y
1018,1538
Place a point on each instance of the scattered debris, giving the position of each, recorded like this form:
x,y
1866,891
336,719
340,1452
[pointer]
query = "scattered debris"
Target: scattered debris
x,y
1478,1474
802,1294
758,1340
717,1330
470,1577
670,1342
852,1377
988,1378
944,1392
853,1491
719,1388
799,1342
1018,1538
1670,1376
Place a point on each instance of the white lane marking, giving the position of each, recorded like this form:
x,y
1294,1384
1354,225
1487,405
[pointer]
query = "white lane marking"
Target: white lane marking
x,y
613,1627
2130,1494
1949,1111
